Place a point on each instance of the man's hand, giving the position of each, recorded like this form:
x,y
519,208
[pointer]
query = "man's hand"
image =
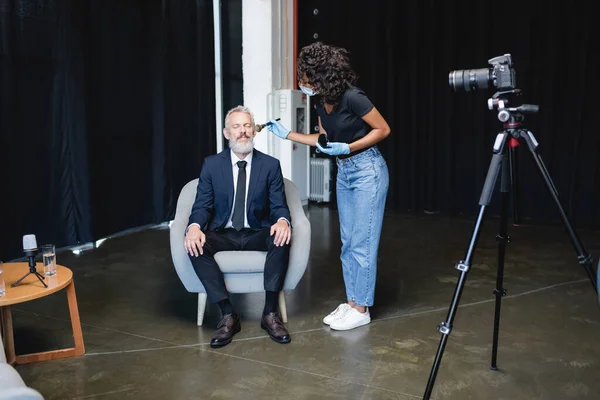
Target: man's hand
x,y
282,232
194,241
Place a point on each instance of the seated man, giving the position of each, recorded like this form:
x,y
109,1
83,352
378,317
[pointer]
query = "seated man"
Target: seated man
x,y
225,216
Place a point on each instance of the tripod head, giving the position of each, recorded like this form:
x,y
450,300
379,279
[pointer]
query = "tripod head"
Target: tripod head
x,y
510,114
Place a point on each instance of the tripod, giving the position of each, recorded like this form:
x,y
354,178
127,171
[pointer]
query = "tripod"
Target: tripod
x,y
503,160
32,269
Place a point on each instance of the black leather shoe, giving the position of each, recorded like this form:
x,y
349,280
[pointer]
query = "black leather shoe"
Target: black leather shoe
x,y
273,324
228,326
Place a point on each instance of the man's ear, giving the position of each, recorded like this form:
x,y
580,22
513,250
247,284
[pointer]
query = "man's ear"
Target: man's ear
x,y
226,133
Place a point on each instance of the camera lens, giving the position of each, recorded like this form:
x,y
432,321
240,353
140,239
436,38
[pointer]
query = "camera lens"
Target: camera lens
x,y
469,79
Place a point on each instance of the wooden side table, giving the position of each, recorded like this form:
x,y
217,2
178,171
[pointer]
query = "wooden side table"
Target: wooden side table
x,y
30,289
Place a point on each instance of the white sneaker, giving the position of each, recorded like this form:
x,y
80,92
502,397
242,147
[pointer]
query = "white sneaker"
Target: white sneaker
x,y
337,313
351,319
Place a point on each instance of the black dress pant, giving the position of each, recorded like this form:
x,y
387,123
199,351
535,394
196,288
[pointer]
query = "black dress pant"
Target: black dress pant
x,y
210,274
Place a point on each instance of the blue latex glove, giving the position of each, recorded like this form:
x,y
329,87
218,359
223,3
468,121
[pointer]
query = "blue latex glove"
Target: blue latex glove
x,y
334,148
278,129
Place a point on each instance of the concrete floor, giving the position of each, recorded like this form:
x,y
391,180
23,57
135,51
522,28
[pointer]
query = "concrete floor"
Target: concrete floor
x,y
142,341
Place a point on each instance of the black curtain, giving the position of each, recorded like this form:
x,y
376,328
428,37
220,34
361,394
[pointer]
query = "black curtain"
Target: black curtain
x,y
441,142
106,111
231,42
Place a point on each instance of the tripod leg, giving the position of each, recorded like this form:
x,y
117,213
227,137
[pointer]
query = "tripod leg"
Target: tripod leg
x,y
41,278
502,238
20,279
514,179
584,258
464,266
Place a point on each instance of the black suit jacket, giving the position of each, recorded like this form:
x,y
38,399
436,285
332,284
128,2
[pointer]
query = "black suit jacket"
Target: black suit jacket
x,y
266,202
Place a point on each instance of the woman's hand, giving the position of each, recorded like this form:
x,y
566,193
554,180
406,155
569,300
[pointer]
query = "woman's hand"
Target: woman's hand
x,y
335,148
278,129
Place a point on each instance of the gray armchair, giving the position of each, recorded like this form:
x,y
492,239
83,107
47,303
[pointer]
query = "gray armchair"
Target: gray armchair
x,y
242,270
12,386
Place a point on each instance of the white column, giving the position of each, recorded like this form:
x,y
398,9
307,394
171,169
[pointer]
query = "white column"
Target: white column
x,y
268,69
219,114
267,56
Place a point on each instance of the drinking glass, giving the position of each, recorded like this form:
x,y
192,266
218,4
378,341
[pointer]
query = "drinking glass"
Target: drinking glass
x,y
2,285
49,255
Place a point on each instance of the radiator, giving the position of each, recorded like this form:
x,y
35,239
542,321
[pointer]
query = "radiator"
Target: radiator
x,y
320,175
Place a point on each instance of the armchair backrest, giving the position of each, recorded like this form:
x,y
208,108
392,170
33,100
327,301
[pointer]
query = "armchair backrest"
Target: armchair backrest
x,y
186,201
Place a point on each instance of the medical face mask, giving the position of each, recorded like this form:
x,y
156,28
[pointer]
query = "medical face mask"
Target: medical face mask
x,y
307,91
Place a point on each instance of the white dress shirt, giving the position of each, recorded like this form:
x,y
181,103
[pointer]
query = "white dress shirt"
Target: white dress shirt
x,y
236,172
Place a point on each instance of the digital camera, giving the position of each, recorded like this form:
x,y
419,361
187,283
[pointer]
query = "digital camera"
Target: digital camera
x,y
500,74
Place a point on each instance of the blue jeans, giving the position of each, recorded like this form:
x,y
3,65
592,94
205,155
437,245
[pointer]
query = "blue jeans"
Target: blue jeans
x,y
362,186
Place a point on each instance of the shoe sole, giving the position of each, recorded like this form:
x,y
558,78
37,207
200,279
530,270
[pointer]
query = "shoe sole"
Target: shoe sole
x,y
331,321
273,337
347,328
222,344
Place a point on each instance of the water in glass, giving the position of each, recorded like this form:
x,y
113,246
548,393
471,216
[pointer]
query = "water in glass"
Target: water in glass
x,y
49,255
2,284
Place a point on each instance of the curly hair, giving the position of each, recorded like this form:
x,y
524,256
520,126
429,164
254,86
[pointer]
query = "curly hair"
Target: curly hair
x,y
328,70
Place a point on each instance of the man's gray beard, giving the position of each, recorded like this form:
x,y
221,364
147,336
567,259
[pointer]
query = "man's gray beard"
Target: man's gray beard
x,y
242,148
